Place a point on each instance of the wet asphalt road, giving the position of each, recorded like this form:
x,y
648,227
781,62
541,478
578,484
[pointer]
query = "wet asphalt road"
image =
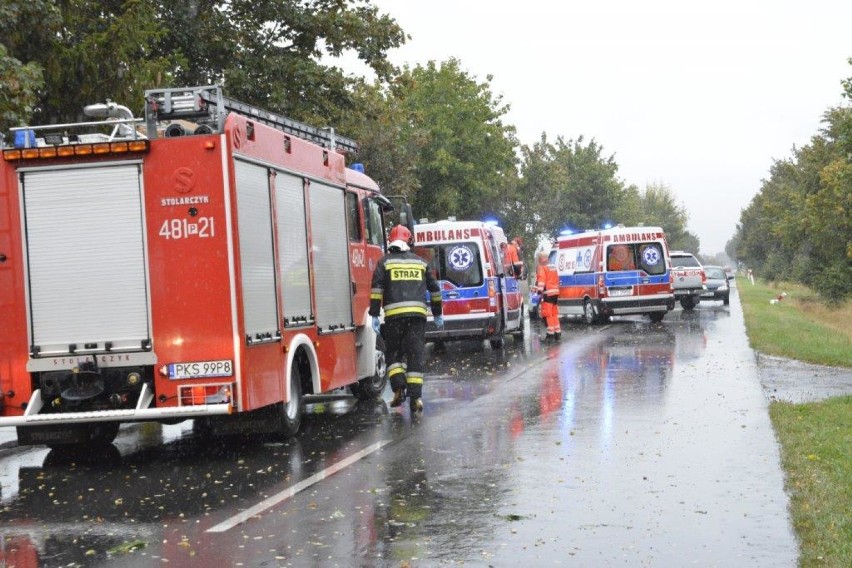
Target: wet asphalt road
x,y
629,444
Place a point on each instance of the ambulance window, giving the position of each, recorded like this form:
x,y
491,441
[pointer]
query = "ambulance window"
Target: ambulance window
x,y
428,254
651,258
461,264
375,226
620,257
353,216
457,263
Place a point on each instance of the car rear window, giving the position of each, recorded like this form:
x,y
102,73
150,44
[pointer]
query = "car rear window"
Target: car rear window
x,y
716,273
685,261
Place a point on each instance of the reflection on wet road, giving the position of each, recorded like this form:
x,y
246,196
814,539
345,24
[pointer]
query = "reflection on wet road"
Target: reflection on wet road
x,y
630,443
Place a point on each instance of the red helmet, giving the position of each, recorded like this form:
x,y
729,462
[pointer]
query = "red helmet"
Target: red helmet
x,y
399,237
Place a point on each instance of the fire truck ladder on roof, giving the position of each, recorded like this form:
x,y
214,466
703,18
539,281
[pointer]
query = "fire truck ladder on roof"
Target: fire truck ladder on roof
x,y
211,106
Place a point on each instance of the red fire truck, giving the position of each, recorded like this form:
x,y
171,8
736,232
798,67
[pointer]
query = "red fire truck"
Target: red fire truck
x,y
212,262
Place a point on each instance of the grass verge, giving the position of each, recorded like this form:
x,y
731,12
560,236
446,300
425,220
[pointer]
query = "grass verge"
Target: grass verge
x,y
799,326
815,438
816,447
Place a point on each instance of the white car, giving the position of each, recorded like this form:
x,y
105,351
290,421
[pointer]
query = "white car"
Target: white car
x,y
688,279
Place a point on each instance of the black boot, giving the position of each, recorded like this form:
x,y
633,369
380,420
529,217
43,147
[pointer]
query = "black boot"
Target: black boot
x,y
398,398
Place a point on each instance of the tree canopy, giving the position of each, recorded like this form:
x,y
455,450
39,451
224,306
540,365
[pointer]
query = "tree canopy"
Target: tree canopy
x,y
433,133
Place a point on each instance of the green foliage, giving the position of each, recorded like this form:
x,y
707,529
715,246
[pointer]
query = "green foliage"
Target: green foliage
x,y
799,226
269,52
266,52
657,206
815,450
568,185
795,327
25,28
465,151
18,89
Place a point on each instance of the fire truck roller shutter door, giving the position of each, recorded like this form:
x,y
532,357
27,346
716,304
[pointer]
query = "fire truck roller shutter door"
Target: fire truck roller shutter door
x,y
331,256
254,215
102,289
293,251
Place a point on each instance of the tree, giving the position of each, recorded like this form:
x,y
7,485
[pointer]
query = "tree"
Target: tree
x,y
569,185
18,86
799,226
25,28
466,154
266,52
657,206
271,52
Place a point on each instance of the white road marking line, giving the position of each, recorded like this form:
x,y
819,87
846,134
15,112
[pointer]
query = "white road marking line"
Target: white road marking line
x,y
293,490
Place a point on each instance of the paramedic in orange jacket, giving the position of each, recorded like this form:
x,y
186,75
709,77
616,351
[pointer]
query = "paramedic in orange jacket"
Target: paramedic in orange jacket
x,y
514,266
400,283
547,281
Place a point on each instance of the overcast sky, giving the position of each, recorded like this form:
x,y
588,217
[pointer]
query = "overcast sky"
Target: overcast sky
x,y
700,96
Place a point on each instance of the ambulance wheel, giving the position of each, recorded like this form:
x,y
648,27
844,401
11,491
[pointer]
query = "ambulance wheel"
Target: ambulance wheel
x,y
687,303
290,413
589,315
372,387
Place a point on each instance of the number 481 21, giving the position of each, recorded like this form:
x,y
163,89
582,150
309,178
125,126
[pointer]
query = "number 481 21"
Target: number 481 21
x,y
203,228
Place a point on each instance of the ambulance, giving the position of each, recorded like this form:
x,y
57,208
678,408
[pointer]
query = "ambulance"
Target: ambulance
x,y
481,299
616,271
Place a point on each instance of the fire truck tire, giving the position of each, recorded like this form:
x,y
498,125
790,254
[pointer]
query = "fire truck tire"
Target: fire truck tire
x,y
687,303
290,413
373,387
589,315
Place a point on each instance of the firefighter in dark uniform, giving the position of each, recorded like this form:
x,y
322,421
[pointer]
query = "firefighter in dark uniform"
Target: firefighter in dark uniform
x,y
400,283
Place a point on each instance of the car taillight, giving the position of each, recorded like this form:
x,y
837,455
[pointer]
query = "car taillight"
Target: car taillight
x,y
703,277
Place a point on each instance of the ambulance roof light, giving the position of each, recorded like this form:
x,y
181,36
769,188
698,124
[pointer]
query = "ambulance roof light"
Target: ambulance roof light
x,y
358,167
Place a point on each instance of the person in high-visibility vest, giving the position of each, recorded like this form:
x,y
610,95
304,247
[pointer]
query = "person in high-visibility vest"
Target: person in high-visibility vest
x,y
513,261
547,281
400,283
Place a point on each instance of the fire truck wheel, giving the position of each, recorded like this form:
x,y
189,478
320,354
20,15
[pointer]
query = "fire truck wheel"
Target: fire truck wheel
x,y
589,315
290,413
373,387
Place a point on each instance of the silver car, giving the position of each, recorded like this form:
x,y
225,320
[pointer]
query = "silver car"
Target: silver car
x,y
717,284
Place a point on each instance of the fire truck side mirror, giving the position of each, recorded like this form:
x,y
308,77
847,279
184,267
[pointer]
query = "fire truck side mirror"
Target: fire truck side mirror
x,y
406,217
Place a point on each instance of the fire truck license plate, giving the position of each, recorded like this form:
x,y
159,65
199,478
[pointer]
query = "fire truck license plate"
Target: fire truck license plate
x,y
201,369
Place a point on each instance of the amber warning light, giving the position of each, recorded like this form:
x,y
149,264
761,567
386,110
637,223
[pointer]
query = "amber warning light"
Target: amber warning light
x,y
71,150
